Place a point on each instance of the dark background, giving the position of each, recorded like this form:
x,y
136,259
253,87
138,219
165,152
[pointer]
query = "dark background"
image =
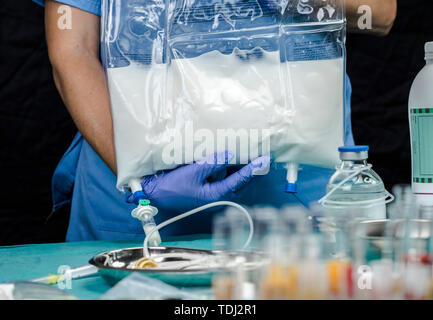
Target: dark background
x,y
382,70
35,128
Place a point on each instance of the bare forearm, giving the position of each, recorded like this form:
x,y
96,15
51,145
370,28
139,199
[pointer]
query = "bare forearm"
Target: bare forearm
x,y
81,83
79,76
383,15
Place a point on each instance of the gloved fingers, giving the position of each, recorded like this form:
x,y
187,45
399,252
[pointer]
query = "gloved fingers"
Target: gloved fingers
x,y
217,176
242,177
261,165
149,183
211,164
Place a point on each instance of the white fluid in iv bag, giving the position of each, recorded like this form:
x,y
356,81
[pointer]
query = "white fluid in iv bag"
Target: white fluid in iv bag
x,y
299,102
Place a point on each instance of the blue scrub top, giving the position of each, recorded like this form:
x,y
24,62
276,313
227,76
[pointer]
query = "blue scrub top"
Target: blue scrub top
x,y
99,210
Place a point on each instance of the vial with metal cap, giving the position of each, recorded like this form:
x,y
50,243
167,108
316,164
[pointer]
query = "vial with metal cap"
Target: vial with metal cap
x,y
355,189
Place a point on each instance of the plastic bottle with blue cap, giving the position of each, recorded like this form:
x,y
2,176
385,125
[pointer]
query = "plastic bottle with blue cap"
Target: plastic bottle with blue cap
x,y
355,186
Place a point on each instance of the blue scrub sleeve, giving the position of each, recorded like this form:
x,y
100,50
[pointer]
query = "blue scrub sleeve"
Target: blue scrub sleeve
x,y
92,6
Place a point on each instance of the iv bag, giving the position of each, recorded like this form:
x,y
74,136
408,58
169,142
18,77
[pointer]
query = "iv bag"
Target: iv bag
x,y
189,78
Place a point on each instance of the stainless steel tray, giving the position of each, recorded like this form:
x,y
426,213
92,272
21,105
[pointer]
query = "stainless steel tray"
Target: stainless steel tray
x,y
420,228
376,231
116,264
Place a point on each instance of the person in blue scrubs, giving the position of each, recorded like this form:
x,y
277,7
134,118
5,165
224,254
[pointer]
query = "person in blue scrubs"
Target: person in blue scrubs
x,y
99,211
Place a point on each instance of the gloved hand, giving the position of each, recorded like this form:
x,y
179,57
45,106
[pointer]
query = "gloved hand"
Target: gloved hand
x,y
186,187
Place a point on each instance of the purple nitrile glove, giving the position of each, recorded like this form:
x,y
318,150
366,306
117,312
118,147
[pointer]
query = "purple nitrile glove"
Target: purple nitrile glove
x,y
186,187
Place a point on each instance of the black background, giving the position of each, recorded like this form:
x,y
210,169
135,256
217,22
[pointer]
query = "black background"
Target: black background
x,y
382,70
35,128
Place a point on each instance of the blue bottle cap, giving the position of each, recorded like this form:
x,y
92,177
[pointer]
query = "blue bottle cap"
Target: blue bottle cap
x,y
354,153
354,149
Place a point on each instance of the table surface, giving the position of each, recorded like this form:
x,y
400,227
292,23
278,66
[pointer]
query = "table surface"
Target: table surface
x,y
26,262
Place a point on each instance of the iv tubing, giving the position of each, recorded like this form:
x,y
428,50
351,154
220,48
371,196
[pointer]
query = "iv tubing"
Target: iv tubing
x,y
191,212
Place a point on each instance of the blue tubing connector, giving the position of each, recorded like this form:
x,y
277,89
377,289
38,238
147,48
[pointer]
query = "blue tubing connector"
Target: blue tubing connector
x,y
137,196
291,187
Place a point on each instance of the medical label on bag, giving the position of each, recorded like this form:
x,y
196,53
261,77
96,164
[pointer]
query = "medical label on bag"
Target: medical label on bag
x,y
421,121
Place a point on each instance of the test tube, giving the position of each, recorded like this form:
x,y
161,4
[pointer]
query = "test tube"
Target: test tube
x,y
313,280
416,259
296,270
373,267
279,280
268,240
339,229
222,282
230,233
413,258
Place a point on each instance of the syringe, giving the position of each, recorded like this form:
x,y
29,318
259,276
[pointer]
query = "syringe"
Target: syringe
x,y
69,274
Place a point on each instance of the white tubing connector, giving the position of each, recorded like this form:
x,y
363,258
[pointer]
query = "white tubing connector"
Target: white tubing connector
x,y
292,177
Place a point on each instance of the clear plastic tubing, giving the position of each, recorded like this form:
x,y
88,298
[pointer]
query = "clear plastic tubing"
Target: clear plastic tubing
x,y
199,209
